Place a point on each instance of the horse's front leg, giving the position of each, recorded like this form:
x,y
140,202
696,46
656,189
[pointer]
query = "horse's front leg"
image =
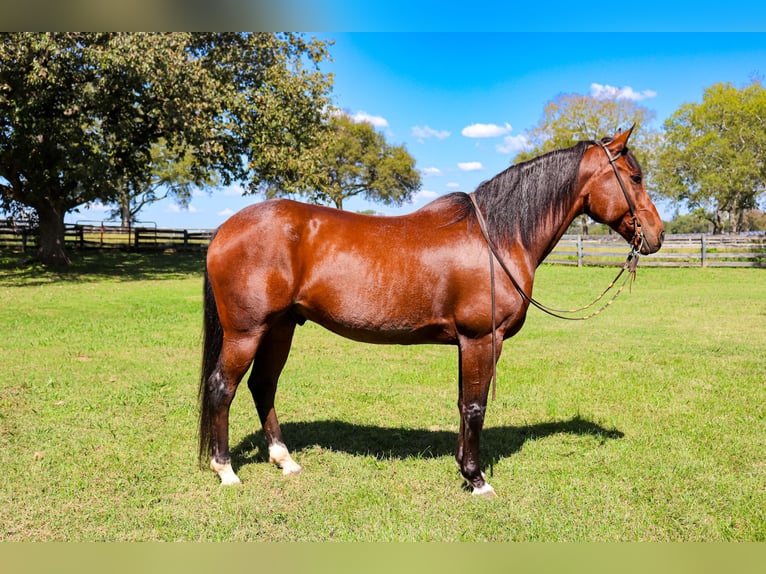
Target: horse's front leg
x,y
475,375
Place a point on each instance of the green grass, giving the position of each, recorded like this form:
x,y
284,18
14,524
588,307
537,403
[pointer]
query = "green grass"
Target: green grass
x,y
645,423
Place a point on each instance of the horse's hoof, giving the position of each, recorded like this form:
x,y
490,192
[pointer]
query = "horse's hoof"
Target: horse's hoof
x,y
279,455
292,469
225,472
230,480
485,491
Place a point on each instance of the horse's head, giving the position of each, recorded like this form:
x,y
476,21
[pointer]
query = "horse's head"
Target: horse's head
x,y
614,193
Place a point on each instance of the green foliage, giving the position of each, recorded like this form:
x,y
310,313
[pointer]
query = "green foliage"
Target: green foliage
x,y
570,118
354,160
81,113
689,223
712,158
645,424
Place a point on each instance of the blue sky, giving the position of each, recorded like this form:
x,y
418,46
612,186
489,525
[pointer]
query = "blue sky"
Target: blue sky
x,y
461,102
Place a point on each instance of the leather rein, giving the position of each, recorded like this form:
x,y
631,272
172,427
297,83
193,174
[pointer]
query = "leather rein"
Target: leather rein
x,y
630,265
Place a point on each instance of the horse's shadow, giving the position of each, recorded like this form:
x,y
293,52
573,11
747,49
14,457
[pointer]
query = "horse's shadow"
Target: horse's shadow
x,y
402,443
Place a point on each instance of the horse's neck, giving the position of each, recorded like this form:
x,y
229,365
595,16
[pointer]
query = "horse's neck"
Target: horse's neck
x,y
550,232
554,233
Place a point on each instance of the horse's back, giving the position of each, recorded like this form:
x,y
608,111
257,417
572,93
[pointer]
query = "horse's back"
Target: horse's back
x,y
371,278
292,221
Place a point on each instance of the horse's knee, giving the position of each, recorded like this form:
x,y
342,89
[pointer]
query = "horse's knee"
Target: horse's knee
x,y
473,415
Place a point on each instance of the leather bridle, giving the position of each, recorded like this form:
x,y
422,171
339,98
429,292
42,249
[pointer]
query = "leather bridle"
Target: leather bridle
x,y
638,236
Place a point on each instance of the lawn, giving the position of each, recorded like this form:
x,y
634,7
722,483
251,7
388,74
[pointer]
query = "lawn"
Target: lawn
x,y
647,422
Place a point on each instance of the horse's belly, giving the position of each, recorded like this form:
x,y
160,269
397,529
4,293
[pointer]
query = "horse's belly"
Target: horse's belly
x,y
379,322
393,336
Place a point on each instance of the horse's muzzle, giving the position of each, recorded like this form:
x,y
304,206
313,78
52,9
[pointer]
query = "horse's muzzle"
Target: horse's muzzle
x,y
652,244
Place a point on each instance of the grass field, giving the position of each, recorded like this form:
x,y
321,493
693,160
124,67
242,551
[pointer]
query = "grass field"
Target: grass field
x,y
645,423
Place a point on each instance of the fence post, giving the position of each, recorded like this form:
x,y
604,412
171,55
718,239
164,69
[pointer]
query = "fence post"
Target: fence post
x,y
136,233
186,240
703,249
580,251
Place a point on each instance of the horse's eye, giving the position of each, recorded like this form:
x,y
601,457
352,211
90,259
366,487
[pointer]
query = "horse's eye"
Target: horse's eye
x,y
636,178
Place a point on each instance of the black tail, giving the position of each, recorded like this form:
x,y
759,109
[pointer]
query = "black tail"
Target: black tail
x,y
211,351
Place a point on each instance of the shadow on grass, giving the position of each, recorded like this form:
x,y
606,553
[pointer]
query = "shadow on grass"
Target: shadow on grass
x,y
16,269
382,442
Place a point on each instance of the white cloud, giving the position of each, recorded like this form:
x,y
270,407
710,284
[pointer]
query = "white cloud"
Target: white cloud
x,y
486,130
234,191
607,92
513,144
175,208
427,171
470,165
376,121
453,185
426,132
423,195
226,212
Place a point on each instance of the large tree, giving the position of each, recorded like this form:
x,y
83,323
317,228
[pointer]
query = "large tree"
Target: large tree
x,y
713,159
355,159
570,118
81,112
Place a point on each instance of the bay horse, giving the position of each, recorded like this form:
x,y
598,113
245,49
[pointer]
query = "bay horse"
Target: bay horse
x,y
417,278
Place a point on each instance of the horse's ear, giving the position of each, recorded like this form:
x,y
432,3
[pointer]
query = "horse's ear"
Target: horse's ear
x,y
620,140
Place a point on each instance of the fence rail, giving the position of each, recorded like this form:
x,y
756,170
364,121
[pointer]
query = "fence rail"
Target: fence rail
x,y
677,251
86,236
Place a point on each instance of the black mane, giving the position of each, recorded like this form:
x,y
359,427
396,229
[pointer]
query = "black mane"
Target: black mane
x,y
517,201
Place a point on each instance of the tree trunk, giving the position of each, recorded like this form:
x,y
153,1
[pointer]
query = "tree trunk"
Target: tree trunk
x,y
716,221
126,217
123,203
50,250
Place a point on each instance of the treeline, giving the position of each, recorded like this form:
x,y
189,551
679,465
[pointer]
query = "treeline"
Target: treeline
x,y
125,119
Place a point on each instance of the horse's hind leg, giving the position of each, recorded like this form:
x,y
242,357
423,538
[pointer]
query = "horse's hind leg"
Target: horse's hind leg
x,y
264,377
236,356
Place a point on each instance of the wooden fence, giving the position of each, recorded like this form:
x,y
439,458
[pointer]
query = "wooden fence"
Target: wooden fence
x,y
102,236
677,251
